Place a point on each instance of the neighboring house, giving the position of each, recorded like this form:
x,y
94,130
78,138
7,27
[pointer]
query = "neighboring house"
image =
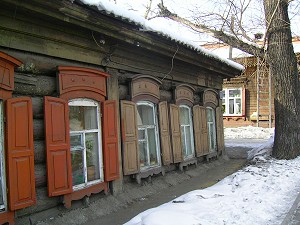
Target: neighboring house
x,y
89,99
249,94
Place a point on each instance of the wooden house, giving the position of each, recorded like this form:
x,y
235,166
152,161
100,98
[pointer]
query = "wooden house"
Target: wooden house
x,y
89,99
251,93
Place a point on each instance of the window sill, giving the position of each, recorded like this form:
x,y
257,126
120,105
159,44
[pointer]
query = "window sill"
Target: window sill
x,y
149,172
187,162
235,117
7,217
79,194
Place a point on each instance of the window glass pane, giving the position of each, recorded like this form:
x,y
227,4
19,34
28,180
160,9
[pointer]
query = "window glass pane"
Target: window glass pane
x,y
212,136
142,135
145,115
92,156
209,115
152,146
235,93
184,116
76,142
77,167
238,108
231,106
83,118
90,117
189,141
143,154
183,139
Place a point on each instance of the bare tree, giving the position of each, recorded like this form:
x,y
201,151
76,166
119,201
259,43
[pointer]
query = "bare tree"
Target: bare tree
x,y
148,9
278,51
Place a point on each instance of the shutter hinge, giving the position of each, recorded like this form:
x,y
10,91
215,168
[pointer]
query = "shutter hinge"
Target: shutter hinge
x,y
4,119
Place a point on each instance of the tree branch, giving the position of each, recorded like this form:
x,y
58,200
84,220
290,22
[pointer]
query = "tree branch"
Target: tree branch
x,y
224,37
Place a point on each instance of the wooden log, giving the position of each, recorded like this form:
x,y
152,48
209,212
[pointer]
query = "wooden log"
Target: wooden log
x,y
166,85
43,203
166,96
197,99
40,175
123,92
38,129
27,84
39,151
38,107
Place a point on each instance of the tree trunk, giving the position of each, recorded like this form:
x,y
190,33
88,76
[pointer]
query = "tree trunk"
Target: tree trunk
x,y
283,67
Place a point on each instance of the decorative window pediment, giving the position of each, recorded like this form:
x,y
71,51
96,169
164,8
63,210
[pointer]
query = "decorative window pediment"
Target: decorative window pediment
x,y
184,94
81,82
145,87
210,98
7,70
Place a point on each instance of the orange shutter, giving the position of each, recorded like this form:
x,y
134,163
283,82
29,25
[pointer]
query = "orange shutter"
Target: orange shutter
x,y
165,133
110,139
59,170
197,130
204,130
220,129
20,153
131,163
176,133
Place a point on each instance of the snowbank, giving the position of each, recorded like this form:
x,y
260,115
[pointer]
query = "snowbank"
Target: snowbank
x,y
248,133
259,194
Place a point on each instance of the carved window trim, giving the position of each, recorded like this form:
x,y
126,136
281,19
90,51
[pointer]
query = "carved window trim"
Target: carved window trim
x,y
184,95
78,82
7,70
210,98
145,88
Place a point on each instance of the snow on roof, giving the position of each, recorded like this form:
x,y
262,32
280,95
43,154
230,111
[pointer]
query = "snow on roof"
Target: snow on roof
x,y
160,27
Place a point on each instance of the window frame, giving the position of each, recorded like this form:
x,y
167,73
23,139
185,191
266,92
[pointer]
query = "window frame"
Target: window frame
x,y
191,128
213,122
3,207
157,140
89,102
227,98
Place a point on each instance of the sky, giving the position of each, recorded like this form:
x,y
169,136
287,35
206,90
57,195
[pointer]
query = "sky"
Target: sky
x,y
252,19
259,194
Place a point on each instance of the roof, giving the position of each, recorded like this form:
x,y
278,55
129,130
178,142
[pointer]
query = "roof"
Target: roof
x,y
161,29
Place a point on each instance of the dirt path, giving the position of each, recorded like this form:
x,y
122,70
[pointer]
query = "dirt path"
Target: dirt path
x,y
212,175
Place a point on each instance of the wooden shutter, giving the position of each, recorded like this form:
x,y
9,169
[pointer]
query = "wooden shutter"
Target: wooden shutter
x,y
220,129
197,130
110,139
57,130
20,153
166,150
204,130
176,133
130,137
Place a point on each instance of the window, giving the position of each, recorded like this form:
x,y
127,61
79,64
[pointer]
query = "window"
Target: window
x,y
148,135
85,141
2,166
232,102
211,128
187,138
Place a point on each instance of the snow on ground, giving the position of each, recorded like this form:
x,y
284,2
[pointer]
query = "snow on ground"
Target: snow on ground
x,y
259,194
248,133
